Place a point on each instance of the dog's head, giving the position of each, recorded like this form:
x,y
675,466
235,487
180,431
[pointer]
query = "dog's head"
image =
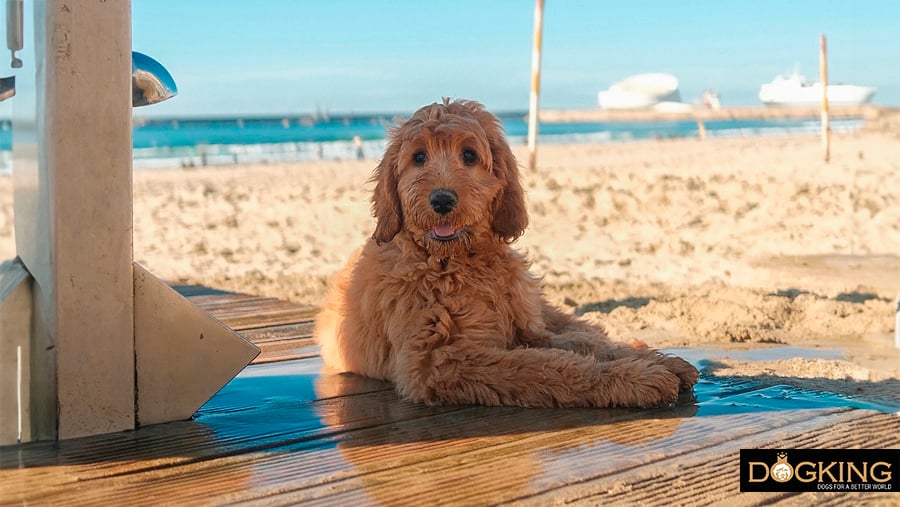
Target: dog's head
x,y
448,178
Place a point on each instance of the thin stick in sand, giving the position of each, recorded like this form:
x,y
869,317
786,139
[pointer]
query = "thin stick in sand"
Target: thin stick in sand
x,y
535,85
823,67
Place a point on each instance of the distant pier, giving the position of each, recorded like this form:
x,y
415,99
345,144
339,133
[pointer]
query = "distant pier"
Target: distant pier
x,y
867,112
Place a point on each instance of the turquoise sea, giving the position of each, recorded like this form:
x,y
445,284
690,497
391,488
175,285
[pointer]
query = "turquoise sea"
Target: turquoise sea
x,y
216,141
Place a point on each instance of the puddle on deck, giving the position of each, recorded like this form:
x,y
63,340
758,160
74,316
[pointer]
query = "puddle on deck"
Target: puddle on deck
x,y
352,426
724,395
301,390
289,432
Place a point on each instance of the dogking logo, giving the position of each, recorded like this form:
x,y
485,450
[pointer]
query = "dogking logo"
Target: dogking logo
x,y
782,471
833,470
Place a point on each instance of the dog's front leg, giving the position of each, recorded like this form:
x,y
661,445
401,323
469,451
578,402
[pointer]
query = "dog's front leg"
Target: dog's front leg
x,y
586,343
461,372
568,332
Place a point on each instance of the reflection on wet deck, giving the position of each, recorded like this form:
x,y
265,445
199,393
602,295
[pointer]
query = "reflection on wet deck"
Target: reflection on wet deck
x,y
287,431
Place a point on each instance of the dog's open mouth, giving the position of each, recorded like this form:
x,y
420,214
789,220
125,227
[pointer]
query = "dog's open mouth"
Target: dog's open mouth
x,y
445,232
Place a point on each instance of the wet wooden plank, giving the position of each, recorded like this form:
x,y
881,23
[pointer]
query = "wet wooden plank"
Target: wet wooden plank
x,y
301,331
254,412
243,311
710,475
525,462
286,351
295,417
342,439
498,455
230,306
290,432
283,343
282,330
223,305
266,317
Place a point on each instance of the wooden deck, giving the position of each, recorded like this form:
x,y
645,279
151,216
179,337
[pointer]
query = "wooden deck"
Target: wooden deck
x,y
288,432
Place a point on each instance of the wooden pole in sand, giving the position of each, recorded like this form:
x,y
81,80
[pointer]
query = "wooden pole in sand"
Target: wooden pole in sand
x,y
535,85
823,66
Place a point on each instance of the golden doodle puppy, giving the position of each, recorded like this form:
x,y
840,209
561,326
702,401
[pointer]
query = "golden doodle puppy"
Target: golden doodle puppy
x,y
438,302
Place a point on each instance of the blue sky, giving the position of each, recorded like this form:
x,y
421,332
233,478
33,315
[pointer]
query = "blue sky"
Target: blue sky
x,y
292,56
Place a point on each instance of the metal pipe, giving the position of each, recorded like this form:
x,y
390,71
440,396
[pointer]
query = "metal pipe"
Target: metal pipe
x,y
14,30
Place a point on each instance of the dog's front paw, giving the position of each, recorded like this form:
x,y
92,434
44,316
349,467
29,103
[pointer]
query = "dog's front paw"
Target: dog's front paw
x,y
642,384
686,372
658,387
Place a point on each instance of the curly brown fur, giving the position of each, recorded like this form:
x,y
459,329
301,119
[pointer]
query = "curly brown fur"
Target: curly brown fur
x,y
440,304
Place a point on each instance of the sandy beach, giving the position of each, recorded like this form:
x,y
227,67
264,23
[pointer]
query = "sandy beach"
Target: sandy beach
x,y
723,243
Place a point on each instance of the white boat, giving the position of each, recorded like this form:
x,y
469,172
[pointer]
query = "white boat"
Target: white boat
x,y
640,91
794,90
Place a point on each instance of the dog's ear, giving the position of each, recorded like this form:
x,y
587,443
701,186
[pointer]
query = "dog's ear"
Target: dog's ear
x,y
510,217
510,214
385,199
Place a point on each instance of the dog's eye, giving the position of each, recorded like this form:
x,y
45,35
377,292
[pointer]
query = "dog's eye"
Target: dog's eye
x,y
419,158
469,157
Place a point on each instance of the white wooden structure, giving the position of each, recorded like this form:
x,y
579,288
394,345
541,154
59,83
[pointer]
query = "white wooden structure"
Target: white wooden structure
x,y
90,342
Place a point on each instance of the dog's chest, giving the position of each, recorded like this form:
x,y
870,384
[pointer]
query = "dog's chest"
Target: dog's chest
x,y
478,298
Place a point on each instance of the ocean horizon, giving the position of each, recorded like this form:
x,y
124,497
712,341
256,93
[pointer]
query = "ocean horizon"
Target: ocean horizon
x,y
229,140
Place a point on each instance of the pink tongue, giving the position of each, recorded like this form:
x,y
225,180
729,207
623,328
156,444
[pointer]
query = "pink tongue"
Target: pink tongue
x,y
443,231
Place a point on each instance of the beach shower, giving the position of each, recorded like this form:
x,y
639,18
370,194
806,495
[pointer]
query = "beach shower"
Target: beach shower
x,y
14,38
150,81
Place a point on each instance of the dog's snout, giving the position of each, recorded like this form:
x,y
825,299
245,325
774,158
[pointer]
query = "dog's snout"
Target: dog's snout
x,y
442,200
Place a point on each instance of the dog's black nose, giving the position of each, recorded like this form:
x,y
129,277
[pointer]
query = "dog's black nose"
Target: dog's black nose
x,y
442,200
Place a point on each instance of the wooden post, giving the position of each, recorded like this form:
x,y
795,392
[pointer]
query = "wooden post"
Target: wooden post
x,y
823,66
535,85
90,342
73,209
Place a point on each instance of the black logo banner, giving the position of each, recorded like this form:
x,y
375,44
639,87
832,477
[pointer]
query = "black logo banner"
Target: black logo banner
x,y
835,470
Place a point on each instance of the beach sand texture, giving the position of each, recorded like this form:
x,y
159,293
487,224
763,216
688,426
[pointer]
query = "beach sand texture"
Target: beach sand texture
x,y
731,243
